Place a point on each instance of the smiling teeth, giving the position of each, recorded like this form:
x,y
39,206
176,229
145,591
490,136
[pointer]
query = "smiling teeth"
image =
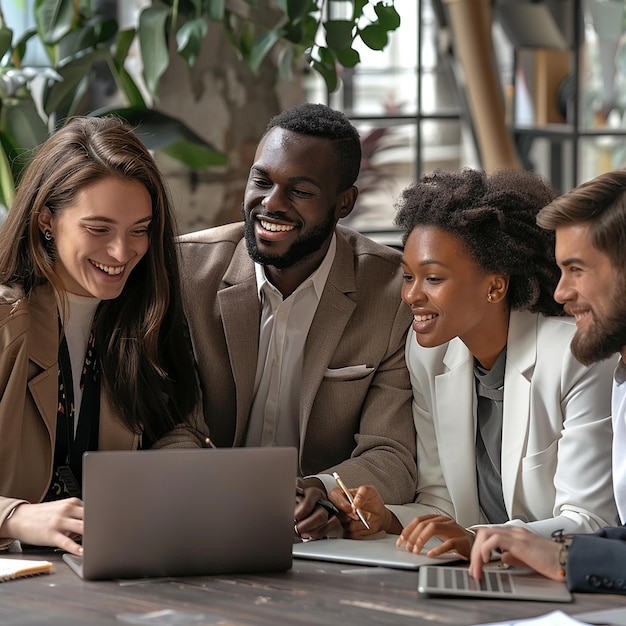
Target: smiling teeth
x,y
111,271
424,318
276,228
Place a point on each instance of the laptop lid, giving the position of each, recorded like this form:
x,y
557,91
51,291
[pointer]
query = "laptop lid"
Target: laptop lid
x,y
180,512
381,551
513,584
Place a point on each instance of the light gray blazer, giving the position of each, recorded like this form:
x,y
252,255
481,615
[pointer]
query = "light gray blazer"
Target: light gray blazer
x,y
556,431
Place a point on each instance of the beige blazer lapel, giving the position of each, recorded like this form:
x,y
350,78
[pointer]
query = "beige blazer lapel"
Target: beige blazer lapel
x,y
240,312
456,430
520,362
44,347
332,315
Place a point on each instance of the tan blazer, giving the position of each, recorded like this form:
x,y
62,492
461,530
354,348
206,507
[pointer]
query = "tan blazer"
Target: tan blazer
x,y
29,343
355,409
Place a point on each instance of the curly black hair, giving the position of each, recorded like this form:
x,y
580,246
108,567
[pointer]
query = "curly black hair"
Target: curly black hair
x,y
318,120
495,218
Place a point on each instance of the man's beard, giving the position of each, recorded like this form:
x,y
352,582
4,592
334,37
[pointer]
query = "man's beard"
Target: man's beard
x,y
604,337
301,248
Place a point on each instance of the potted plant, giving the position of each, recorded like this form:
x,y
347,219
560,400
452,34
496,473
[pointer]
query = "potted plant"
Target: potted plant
x,y
77,38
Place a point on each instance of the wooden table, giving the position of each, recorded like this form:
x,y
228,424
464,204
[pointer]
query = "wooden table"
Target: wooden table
x,y
312,592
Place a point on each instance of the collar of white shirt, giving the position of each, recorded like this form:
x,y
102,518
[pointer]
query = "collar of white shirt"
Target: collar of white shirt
x,y
318,277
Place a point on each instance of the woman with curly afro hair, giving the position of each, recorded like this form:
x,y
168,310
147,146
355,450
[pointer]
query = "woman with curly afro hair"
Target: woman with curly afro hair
x,y
511,428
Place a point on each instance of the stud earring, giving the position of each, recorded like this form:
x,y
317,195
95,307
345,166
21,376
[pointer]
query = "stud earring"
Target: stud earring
x,y
490,297
47,235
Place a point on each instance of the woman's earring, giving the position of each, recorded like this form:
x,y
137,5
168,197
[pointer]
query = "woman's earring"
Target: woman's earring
x,y
47,235
490,297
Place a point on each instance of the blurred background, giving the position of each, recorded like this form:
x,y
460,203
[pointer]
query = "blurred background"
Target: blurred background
x,y
436,84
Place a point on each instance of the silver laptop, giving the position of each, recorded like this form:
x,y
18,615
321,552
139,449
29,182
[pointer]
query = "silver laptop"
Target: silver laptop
x,y
513,584
378,551
176,512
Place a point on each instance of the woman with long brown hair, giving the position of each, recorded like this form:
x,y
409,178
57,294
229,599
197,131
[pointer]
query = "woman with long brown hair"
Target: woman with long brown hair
x,y
94,353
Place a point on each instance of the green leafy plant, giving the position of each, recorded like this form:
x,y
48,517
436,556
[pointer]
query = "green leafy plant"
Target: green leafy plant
x,y
34,100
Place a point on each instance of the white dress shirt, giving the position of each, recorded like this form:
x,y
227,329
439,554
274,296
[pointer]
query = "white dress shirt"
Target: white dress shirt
x,y
618,409
284,327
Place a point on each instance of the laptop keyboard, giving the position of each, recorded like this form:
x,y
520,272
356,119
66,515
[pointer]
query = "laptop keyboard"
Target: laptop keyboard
x,y
459,579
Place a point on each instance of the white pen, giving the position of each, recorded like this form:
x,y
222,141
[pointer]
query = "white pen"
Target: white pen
x,y
350,499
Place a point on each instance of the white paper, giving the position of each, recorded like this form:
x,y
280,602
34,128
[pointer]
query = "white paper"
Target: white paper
x,y
556,618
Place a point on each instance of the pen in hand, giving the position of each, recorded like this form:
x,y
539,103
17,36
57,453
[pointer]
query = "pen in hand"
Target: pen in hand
x,y
350,499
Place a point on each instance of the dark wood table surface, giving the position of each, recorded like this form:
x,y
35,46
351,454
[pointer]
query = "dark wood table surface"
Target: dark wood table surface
x,y
312,592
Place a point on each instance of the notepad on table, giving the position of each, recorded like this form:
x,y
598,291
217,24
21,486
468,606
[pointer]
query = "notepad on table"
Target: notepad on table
x,y
19,568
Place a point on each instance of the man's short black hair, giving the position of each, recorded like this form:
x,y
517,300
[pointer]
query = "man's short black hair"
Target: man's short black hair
x,y
319,120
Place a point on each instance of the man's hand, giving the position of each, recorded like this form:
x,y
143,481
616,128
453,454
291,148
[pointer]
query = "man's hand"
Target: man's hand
x,y
55,524
312,519
518,547
453,536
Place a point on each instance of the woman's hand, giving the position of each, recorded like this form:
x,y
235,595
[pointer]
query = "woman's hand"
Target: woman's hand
x,y
453,536
518,547
55,524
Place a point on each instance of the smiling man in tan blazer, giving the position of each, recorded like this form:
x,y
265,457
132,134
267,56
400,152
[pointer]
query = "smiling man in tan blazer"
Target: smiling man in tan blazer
x,y
297,323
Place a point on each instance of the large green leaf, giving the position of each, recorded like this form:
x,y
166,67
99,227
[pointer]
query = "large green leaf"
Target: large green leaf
x,y
339,34
310,27
246,40
61,97
164,133
124,41
215,9
197,7
23,126
297,8
325,65
262,46
229,31
285,62
54,19
125,82
7,184
122,78
348,57
189,39
95,32
374,36
329,74
153,41
293,32
19,49
6,36
359,5
194,156
388,17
